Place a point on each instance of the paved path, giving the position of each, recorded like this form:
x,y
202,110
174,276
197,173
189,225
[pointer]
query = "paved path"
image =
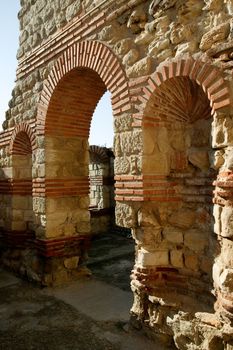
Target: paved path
x,y
96,299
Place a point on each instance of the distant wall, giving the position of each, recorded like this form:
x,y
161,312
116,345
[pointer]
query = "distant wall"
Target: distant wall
x,y
102,203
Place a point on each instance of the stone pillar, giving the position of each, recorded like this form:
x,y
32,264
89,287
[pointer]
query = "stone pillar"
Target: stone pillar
x,y
61,203
172,221
18,224
223,267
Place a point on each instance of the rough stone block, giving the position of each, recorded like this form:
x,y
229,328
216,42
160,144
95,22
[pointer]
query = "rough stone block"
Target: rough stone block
x,y
69,229
227,222
71,263
173,235
227,249
226,280
217,218
191,261
157,163
176,257
196,240
156,258
183,218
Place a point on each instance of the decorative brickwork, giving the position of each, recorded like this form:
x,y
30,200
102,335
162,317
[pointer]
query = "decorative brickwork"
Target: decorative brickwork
x,y
93,56
168,67
23,140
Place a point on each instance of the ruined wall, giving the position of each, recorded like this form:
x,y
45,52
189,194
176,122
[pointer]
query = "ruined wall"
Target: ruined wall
x,y
168,66
102,203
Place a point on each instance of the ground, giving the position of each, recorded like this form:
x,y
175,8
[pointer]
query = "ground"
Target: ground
x,y
91,314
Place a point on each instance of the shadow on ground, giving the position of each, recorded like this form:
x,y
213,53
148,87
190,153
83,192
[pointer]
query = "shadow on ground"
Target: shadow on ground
x,y
90,314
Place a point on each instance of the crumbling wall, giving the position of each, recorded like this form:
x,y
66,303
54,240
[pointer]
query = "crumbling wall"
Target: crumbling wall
x,y
168,66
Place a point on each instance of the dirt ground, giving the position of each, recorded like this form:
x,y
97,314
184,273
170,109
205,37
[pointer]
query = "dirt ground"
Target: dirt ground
x,y
87,315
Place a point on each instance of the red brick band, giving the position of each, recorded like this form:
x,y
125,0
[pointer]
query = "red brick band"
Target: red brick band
x,y
16,187
61,187
59,247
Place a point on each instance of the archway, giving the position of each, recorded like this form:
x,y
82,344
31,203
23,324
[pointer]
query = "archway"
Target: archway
x,y
79,79
21,148
177,246
177,155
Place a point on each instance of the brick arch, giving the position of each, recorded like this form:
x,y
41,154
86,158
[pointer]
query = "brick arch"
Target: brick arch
x,y
175,104
204,74
23,140
100,154
91,55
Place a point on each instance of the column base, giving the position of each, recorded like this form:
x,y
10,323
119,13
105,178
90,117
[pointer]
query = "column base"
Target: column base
x,y
46,262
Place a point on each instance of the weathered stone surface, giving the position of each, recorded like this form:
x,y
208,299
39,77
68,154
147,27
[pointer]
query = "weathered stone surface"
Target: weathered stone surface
x,y
147,258
227,222
195,240
222,131
157,46
123,47
226,280
227,257
146,217
71,263
214,35
176,257
73,10
162,145
142,67
125,215
131,143
183,218
164,4
122,165
217,159
199,158
173,235
228,159
157,163
122,123
131,57
213,5
162,140
191,261
137,20
217,271
180,32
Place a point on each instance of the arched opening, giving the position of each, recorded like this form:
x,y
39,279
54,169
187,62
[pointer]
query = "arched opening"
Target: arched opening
x,y
111,256
101,131
22,209
101,167
67,163
67,152
102,202
177,167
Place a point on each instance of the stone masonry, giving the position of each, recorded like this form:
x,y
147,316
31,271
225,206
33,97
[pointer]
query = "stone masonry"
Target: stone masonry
x,y
102,203
168,66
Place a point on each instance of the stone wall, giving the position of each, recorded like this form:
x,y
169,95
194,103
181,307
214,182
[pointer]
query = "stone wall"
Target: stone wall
x,y
102,203
168,67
